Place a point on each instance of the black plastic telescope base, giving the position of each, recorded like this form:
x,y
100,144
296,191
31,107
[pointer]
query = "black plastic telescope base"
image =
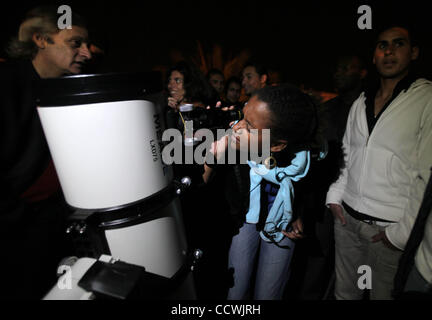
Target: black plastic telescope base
x,y
121,281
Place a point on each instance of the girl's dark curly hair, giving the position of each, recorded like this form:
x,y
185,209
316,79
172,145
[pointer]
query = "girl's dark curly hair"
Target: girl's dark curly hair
x,y
195,84
293,116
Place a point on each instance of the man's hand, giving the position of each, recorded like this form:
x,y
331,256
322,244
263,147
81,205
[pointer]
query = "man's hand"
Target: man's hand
x,y
337,211
297,230
382,237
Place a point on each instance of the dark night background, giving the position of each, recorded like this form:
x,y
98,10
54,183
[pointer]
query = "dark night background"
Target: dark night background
x,y
300,38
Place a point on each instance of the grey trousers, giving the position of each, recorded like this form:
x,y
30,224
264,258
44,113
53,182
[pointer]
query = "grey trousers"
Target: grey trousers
x,y
354,249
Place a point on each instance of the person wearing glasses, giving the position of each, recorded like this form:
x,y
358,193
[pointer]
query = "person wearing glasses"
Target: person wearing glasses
x,y
186,85
259,195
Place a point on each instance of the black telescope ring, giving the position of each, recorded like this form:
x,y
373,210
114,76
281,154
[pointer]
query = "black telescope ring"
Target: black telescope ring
x,y
139,212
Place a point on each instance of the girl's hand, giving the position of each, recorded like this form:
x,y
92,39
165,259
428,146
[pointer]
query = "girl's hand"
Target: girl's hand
x,y
176,98
172,103
217,151
297,230
219,147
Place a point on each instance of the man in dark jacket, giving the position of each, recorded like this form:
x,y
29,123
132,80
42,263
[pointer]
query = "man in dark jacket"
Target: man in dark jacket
x,y
315,254
32,209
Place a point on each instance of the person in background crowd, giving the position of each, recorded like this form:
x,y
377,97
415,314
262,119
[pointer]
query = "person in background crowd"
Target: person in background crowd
x,y
349,83
186,85
314,258
275,77
254,77
233,93
217,80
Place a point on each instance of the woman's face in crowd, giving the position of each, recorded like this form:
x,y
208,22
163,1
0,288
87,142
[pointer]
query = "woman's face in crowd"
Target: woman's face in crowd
x,y
217,82
175,82
256,116
233,92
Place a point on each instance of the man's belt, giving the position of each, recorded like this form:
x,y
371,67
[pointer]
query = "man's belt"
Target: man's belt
x,y
361,216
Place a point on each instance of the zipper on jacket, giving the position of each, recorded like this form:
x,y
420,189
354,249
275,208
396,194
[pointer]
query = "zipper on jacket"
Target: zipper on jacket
x,y
363,169
365,152
360,189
